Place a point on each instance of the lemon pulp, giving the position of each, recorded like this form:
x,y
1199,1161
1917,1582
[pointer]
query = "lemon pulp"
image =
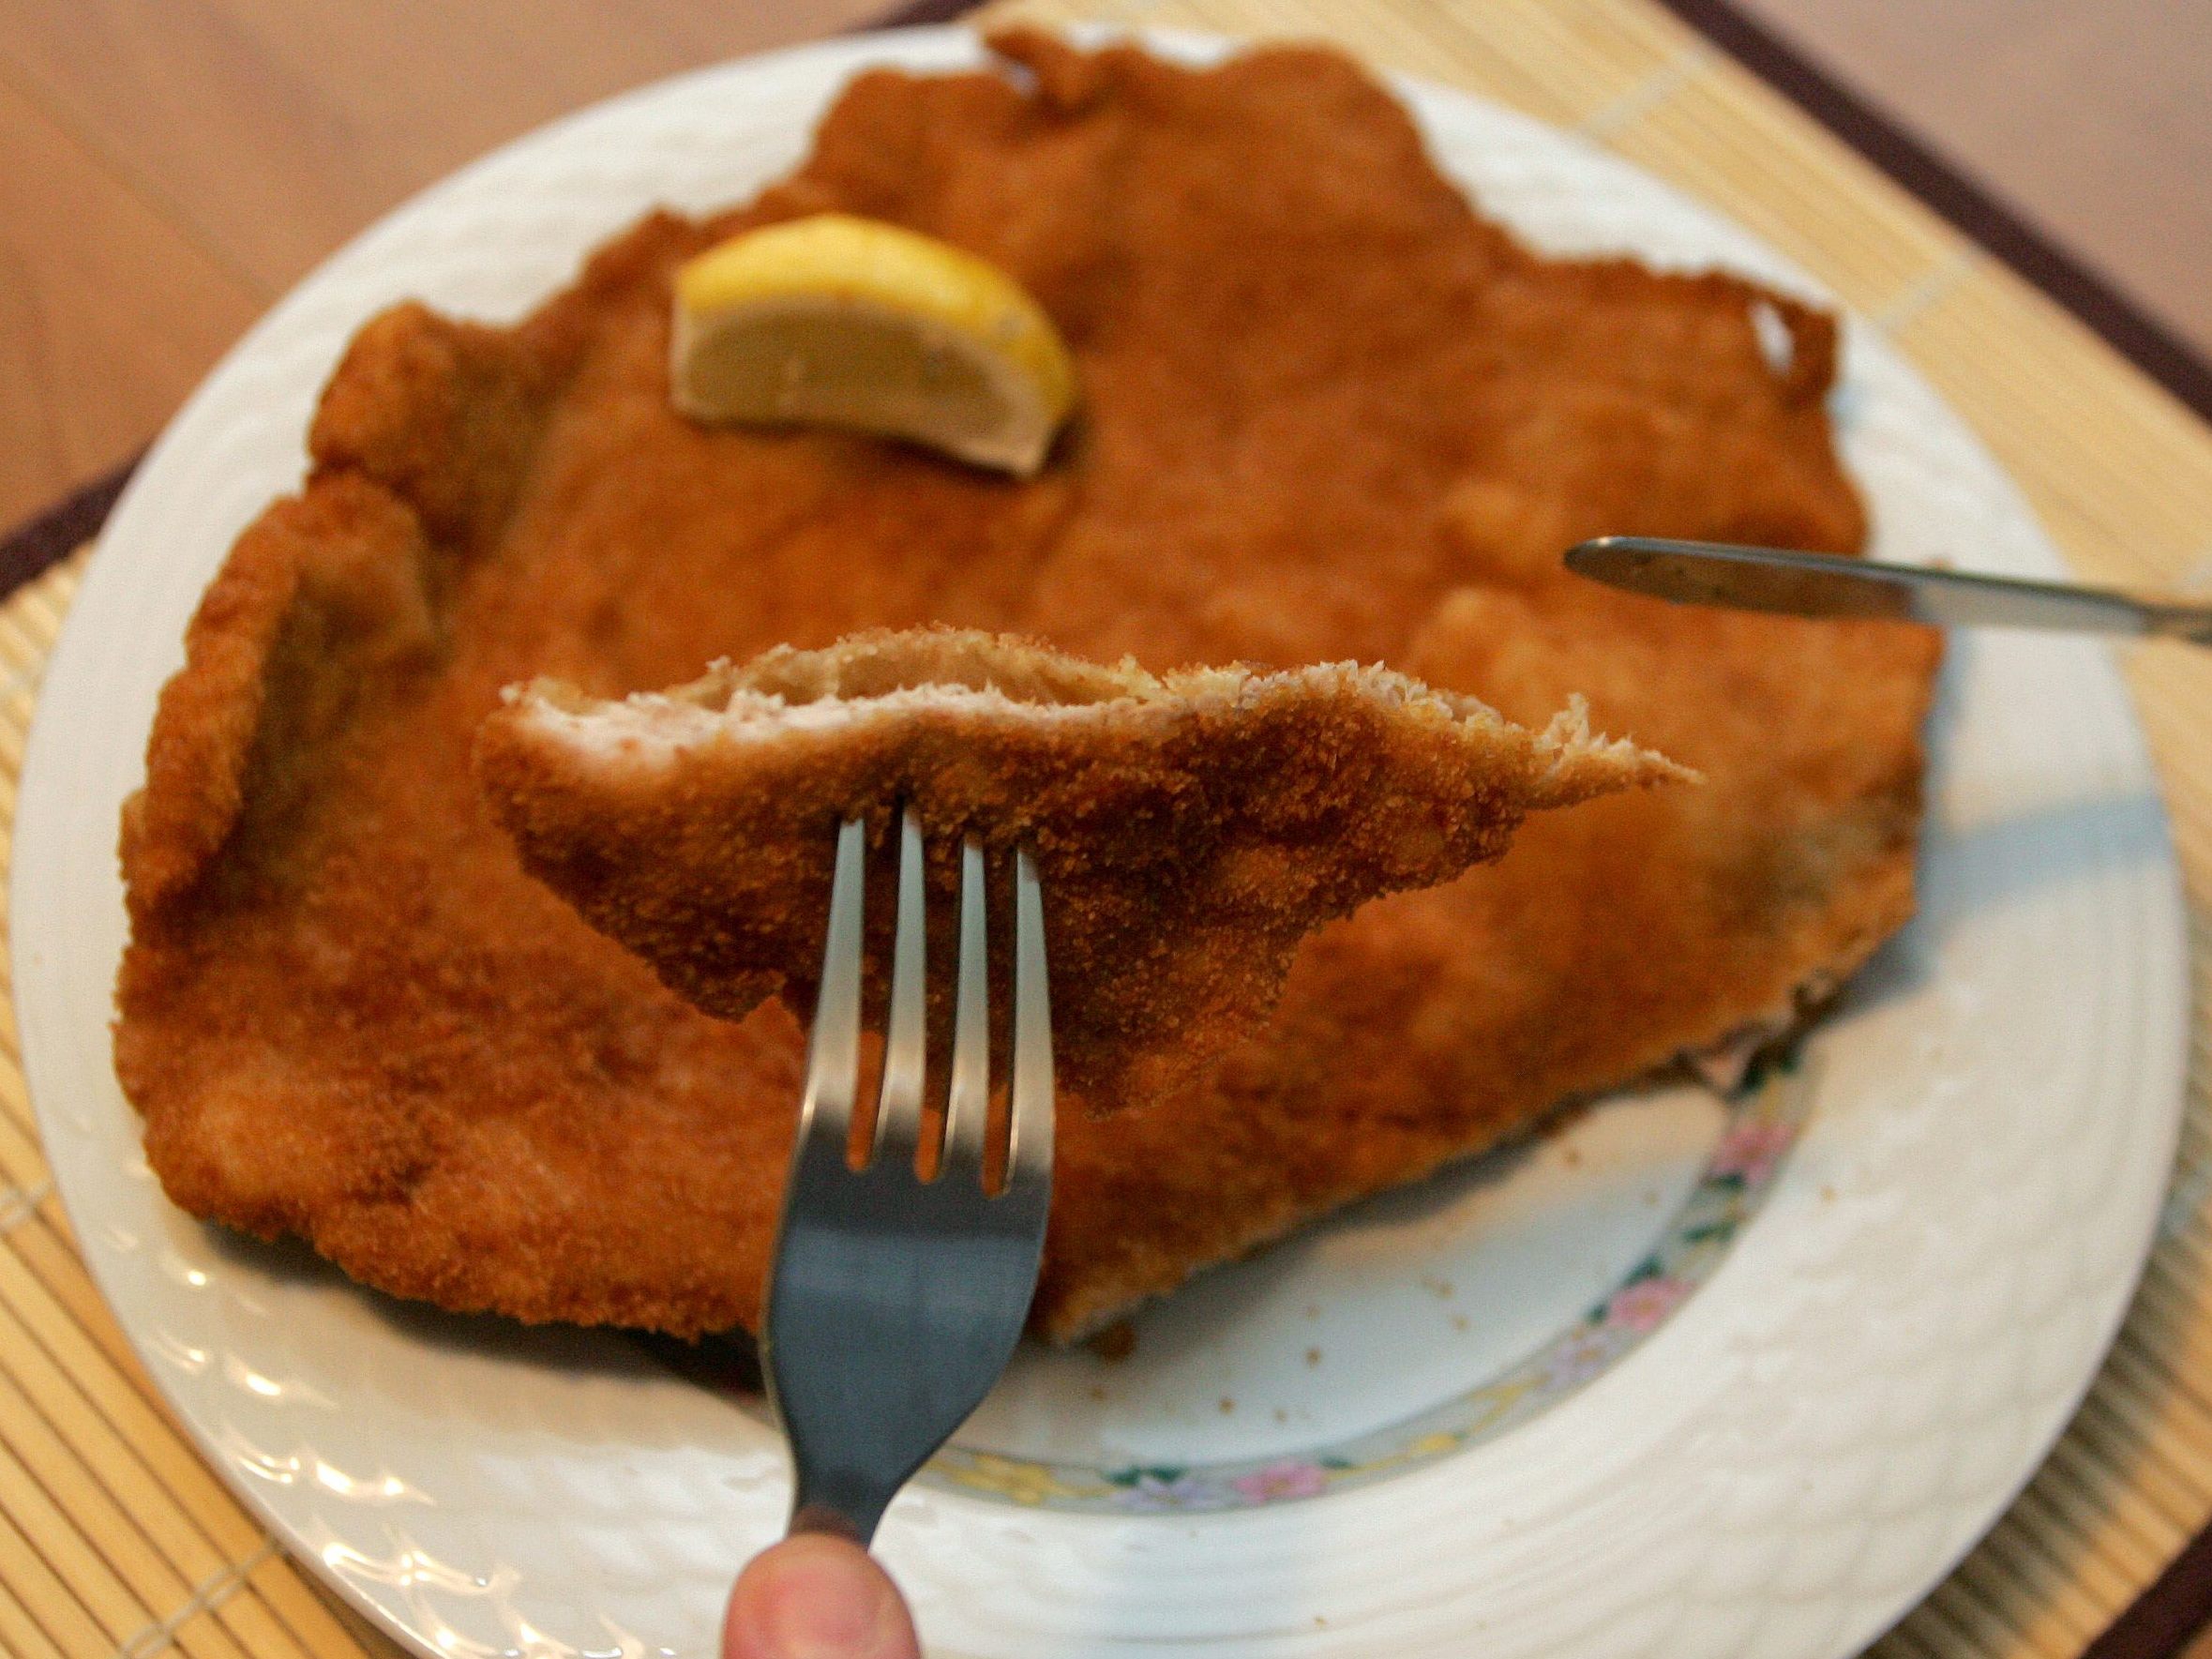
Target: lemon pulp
x,y
846,321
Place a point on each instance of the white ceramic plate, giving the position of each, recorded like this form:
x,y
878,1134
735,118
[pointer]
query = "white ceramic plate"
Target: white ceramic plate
x,y
1651,1388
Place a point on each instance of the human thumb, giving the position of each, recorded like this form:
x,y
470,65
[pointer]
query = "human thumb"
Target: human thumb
x,y
817,1596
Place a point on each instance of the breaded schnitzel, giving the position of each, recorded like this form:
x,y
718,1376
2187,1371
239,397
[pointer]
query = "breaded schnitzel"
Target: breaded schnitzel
x,y
1328,412
1190,830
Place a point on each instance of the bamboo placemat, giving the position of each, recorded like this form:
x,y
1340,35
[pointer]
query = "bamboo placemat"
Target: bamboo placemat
x,y
115,1538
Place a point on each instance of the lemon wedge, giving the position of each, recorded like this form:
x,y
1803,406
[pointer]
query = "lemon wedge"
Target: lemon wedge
x,y
845,322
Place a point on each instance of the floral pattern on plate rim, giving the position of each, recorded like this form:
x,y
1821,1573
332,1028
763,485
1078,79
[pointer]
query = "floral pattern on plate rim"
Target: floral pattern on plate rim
x,y
1766,1112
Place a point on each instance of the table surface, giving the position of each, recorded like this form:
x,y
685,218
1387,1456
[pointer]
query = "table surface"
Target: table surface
x,y
169,167
2088,117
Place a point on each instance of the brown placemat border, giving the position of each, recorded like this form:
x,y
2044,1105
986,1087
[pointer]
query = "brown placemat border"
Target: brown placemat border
x,y
51,535
2168,1616
917,12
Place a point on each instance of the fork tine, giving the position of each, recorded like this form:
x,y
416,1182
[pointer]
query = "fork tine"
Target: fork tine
x,y
894,1303
906,1035
833,1051
1028,1152
968,1105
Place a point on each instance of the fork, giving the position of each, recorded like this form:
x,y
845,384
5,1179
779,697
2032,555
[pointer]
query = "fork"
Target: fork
x,y
894,1303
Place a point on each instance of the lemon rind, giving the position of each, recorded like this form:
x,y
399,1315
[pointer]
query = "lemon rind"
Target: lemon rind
x,y
960,304
1018,442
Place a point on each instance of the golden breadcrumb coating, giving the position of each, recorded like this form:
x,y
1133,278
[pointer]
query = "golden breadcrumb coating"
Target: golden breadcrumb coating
x,y
1329,413
1188,830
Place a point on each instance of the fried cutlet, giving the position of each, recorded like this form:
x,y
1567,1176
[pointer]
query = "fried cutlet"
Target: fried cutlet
x,y
1329,413
1189,829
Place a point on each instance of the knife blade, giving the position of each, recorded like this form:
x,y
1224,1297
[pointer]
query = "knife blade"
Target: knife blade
x,y
1820,584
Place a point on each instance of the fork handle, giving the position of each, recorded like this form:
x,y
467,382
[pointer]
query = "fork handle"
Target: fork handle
x,y
820,1517
840,1508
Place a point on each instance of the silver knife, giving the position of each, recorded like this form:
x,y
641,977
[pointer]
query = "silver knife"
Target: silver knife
x,y
1820,584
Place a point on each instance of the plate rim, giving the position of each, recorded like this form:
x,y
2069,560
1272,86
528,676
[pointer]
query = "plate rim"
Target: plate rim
x,y
896,46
